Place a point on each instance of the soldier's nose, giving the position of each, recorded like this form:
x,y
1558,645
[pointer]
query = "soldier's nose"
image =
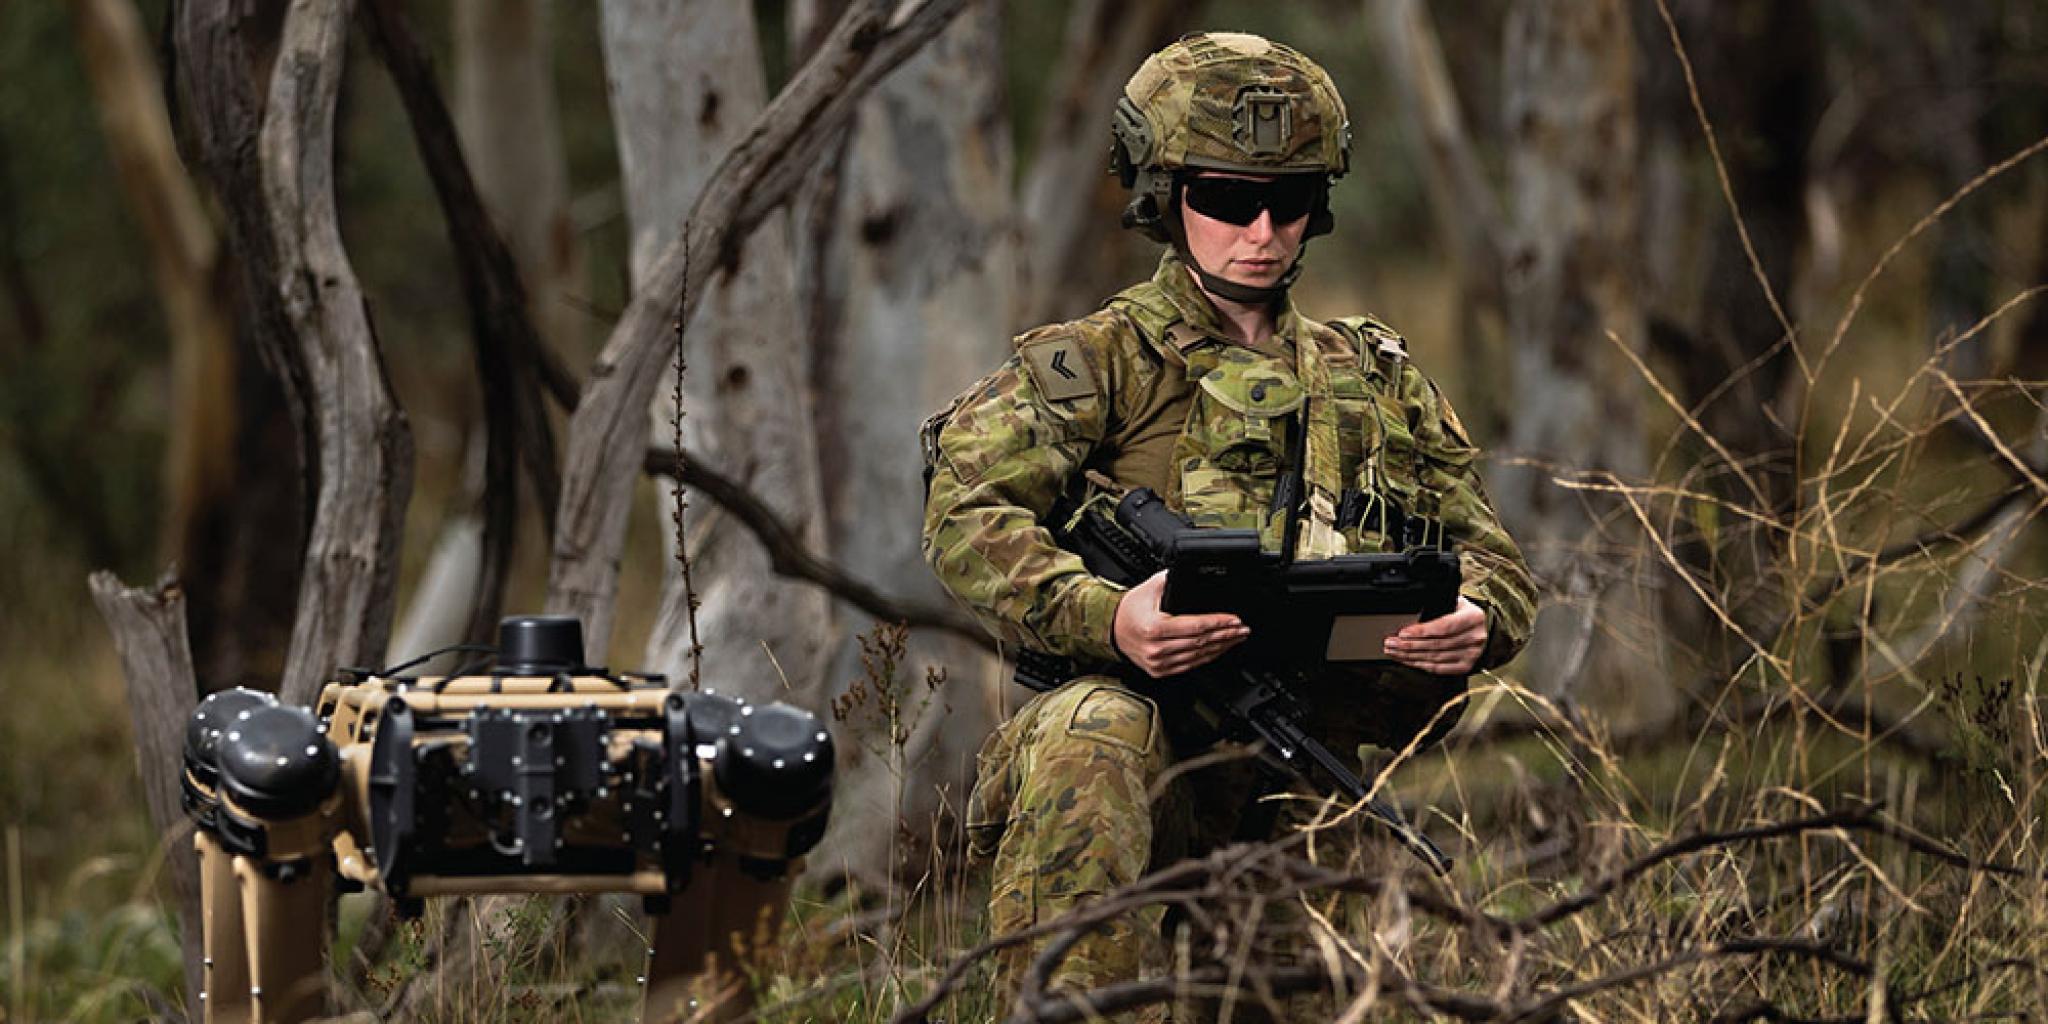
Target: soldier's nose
x,y
1261,228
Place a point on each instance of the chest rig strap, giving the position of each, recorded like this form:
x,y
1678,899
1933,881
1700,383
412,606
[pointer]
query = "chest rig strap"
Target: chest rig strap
x,y
1324,471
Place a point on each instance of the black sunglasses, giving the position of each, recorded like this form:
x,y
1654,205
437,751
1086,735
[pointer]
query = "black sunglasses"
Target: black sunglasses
x,y
1239,200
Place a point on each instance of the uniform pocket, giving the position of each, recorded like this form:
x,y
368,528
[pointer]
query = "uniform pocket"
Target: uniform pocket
x,y
988,806
1236,439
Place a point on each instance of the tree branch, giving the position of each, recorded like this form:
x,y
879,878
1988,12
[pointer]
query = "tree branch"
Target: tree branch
x,y
508,348
788,555
608,433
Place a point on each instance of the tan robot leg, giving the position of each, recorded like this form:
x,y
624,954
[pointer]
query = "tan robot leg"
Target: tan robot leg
x,y
721,925
286,926
225,954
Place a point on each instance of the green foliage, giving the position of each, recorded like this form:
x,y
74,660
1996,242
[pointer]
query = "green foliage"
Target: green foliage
x,y
113,965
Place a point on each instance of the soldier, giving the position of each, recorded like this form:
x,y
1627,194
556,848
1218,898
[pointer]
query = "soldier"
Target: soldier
x,y
1194,383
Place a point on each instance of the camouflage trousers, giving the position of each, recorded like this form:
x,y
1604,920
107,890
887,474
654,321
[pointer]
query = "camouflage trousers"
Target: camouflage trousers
x,y
1079,794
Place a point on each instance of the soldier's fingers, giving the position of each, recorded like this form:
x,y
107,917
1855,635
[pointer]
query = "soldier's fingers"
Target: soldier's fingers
x,y
1435,645
1190,662
1449,661
1171,626
1213,643
1466,617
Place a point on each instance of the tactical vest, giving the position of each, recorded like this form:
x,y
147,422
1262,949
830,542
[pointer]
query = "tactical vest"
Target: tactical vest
x,y
1361,457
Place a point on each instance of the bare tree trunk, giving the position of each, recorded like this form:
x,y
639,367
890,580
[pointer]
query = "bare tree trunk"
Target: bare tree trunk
x,y
365,449
1570,106
245,543
686,80
1066,234
608,432
1759,73
928,305
1466,207
149,632
504,106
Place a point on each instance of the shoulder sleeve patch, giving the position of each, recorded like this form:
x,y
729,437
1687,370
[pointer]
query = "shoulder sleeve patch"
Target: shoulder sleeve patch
x,y
1058,368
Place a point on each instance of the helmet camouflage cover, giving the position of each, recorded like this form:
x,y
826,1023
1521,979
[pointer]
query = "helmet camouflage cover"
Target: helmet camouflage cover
x,y
1224,101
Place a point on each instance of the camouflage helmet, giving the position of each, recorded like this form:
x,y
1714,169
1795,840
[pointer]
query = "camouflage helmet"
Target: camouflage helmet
x,y
1225,101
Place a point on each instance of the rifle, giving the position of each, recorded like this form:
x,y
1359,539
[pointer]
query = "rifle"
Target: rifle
x,y
1297,612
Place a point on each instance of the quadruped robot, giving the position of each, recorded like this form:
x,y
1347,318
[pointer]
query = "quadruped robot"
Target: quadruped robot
x,y
527,773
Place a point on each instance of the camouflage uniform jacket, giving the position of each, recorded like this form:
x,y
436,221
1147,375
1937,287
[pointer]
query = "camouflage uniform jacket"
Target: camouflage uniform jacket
x,y
1148,392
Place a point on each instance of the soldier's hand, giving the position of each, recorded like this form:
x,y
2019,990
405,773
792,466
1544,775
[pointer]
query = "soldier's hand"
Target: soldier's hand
x,y
1163,644
1448,645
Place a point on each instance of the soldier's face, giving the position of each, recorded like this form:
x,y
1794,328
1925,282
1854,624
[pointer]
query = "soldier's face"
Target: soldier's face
x,y
1256,253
